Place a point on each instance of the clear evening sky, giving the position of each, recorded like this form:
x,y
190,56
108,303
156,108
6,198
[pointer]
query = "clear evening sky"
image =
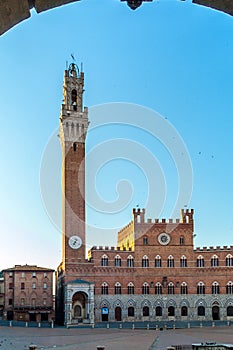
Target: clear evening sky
x,y
172,57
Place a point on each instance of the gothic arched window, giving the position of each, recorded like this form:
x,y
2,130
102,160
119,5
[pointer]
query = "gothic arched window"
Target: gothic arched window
x,y
104,260
229,288
104,288
170,288
130,261
170,261
214,261
183,261
130,288
117,288
145,261
183,288
117,260
200,261
200,288
158,261
215,288
158,288
145,288
229,260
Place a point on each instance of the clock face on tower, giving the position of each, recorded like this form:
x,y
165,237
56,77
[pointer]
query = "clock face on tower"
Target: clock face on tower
x,y
164,238
75,242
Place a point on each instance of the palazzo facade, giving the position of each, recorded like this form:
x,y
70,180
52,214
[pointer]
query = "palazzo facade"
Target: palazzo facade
x,y
153,274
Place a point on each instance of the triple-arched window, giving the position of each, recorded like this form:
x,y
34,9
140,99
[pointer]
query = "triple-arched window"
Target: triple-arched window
x,y
104,288
158,288
170,261
215,288
145,288
104,260
145,261
183,261
117,260
200,261
158,261
170,288
200,288
229,260
214,260
229,288
130,288
183,288
117,288
130,261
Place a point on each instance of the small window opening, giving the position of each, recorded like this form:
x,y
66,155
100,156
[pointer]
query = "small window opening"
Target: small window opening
x,y
74,99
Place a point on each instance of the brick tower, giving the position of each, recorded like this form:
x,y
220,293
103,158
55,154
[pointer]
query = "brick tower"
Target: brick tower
x,y
74,295
73,129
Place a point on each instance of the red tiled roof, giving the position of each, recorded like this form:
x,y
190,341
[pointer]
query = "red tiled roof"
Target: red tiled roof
x,y
28,268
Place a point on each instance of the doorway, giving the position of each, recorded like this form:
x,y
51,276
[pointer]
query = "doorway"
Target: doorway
x,y
118,313
104,313
215,313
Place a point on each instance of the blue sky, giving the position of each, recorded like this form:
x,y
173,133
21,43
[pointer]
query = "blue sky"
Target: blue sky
x,y
172,57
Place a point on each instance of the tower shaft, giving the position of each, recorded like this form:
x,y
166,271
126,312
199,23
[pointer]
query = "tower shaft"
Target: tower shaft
x,y
73,129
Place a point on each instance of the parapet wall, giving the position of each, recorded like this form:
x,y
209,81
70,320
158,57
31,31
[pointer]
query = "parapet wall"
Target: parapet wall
x,y
186,217
213,249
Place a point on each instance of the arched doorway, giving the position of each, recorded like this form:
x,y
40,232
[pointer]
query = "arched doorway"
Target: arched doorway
x,y
215,312
201,311
145,311
79,302
158,311
104,313
184,311
230,311
171,311
118,313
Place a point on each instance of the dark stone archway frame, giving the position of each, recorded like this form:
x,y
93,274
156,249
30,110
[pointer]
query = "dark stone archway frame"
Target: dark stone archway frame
x,y
14,11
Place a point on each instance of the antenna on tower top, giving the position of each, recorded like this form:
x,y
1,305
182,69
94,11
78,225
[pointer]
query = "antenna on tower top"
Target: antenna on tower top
x,y
73,58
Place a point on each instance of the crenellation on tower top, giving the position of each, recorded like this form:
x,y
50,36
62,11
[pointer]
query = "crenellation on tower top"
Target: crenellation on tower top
x,y
187,215
186,218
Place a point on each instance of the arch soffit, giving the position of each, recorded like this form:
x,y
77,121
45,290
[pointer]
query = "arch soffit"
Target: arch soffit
x,y
145,302
171,302
118,303
200,302
158,302
105,303
229,302
184,302
131,302
78,291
